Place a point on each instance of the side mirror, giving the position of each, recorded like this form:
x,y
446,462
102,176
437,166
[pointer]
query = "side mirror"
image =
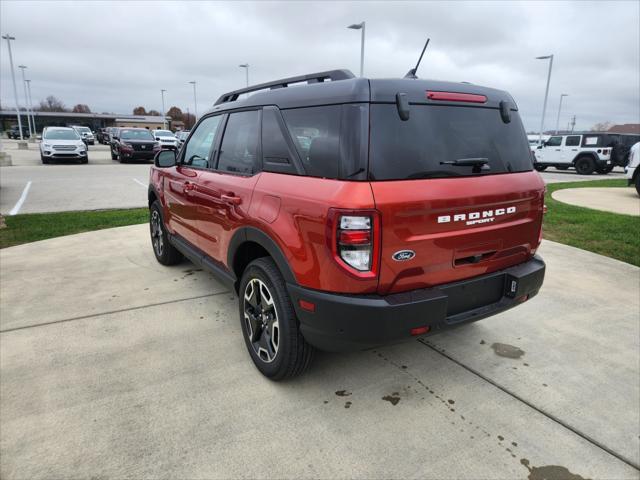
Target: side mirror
x,y
165,159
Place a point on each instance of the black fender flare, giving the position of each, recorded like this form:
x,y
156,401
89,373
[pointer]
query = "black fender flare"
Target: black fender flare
x,y
252,234
593,156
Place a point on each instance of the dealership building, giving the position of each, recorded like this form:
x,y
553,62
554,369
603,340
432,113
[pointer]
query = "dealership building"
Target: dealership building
x,y
8,119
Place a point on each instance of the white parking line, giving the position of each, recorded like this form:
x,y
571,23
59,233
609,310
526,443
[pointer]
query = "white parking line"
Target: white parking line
x,y
21,200
140,183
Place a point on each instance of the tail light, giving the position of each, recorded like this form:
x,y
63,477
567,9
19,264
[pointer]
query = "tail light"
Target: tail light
x,y
605,151
355,241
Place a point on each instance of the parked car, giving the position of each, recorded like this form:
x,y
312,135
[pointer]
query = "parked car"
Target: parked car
x,y
632,170
102,136
167,139
534,141
182,137
14,132
133,144
586,152
86,134
354,212
62,143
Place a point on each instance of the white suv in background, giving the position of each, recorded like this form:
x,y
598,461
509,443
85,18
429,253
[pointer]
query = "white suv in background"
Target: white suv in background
x,y
167,139
62,143
85,132
632,170
586,152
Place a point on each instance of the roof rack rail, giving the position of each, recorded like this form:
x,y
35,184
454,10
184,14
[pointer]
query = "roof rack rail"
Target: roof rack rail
x,y
319,77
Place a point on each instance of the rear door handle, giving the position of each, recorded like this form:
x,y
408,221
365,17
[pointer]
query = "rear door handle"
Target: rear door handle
x,y
231,199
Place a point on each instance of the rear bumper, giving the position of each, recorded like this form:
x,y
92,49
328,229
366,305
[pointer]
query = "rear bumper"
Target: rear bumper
x,y
348,322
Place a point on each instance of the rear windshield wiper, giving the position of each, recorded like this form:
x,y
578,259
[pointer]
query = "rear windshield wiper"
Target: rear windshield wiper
x,y
478,164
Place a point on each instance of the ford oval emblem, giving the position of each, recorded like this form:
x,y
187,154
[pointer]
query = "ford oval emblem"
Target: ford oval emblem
x,y
404,255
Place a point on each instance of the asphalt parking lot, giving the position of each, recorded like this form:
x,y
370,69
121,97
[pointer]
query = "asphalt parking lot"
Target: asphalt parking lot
x,y
104,183
114,366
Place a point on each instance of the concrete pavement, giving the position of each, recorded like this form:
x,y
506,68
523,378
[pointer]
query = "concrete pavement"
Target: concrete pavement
x,y
112,366
616,200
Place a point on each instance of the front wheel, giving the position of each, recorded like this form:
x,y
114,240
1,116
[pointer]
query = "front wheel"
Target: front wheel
x,y
165,253
585,166
269,323
540,168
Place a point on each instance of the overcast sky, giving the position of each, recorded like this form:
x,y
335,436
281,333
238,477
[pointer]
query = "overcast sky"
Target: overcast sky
x,y
115,56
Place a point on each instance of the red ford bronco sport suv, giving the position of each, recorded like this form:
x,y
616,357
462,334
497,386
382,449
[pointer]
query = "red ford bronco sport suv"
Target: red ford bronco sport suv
x,y
350,212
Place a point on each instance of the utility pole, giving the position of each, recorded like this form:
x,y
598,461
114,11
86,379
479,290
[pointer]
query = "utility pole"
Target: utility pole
x,y
546,94
573,123
559,109
33,115
164,116
26,98
8,38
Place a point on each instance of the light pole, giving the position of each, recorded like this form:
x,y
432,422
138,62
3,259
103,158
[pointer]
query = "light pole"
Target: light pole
x,y
8,38
164,117
246,67
546,93
360,26
562,95
26,97
33,115
195,101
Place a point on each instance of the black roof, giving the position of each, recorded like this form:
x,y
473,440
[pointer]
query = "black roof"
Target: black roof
x,y
343,87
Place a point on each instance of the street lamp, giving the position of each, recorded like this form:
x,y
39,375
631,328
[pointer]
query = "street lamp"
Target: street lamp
x,y
164,116
33,115
246,67
8,38
559,109
26,98
195,101
360,26
546,93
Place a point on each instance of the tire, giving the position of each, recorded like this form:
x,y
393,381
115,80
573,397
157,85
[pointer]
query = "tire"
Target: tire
x,y
585,166
113,155
85,161
281,355
44,159
540,168
165,253
638,184
562,167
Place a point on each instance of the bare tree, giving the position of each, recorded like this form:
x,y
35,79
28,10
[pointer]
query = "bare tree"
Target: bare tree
x,y
52,104
139,111
189,120
602,126
154,113
175,113
81,108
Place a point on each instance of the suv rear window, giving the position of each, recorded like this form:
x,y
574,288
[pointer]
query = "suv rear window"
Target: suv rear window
x,y
434,134
331,141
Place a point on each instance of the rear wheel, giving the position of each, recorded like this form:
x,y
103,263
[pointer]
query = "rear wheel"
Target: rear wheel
x,y
585,165
165,253
540,168
269,323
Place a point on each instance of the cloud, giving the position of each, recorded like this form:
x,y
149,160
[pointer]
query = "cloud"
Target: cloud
x,y
115,56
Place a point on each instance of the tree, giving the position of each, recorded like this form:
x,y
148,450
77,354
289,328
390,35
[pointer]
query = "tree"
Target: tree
x,y
189,120
139,111
81,108
52,104
602,126
154,113
175,113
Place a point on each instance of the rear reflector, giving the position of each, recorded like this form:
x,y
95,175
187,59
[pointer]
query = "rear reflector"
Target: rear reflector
x,y
308,306
355,237
456,97
419,330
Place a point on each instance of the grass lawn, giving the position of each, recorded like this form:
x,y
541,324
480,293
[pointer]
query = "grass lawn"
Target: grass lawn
x,y
40,226
610,234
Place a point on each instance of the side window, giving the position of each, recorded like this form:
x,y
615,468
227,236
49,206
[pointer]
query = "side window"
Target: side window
x,y
316,133
572,141
239,148
196,152
276,155
590,141
554,142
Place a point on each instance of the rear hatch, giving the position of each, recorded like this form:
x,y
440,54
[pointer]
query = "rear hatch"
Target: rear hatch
x,y
454,186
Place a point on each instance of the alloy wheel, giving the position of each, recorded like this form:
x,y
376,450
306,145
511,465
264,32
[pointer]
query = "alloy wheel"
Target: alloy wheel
x,y
156,233
261,320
